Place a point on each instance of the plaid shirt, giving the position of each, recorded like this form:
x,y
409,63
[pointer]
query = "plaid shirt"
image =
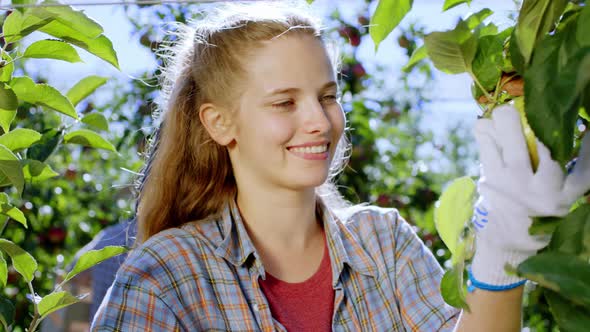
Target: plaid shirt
x,y
204,277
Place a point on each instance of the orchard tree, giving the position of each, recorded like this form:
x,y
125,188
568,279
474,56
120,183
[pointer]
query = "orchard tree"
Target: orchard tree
x,y
541,66
60,160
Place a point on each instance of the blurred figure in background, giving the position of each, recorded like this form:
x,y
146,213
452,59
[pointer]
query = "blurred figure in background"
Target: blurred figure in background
x,y
94,281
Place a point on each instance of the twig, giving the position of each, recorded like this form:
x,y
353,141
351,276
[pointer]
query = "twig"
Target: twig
x,y
35,322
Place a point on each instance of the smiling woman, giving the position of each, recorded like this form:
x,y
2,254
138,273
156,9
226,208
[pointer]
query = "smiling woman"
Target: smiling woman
x,y
240,227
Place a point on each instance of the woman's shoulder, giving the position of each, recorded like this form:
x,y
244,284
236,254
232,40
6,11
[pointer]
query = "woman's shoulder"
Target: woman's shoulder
x,y
368,216
371,224
170,254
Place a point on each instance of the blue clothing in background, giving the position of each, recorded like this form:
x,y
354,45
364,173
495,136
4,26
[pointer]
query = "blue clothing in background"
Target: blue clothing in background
x,y
103,274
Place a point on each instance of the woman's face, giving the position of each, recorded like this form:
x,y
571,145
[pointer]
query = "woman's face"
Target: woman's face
x,y
289,120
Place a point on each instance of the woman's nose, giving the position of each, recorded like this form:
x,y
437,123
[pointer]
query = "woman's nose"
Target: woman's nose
x,y
316,120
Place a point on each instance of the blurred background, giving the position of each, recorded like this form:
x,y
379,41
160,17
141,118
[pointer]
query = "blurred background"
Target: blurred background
x,y
410,130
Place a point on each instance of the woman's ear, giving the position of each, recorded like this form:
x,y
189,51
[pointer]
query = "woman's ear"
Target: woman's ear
x,y
218,123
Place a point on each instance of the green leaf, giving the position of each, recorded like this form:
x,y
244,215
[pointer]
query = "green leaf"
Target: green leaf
x,y
10,211
88,138
565,274
582,35
486,30
52,49
453,3
451,287
6,118
93,257
583,80
18,25
43,95
386,17
47,145
464,249
56,301
572,235
552,104
7,70
75,19
506,65
569,317
10,169
20,138
488,60
22,261
477,18
454,210
310,1
7,312
419,54
3,271
36,171
84,88
96,120
516,57
100,46
452,51
23,2
535,20
544,225
8,99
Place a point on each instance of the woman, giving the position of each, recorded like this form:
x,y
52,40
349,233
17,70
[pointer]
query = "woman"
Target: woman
x,y
240,228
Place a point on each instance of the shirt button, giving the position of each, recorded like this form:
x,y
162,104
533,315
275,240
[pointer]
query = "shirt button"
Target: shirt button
x,y
255,306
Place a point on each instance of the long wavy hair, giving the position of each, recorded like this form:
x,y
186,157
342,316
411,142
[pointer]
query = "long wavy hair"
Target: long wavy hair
x,y
188,176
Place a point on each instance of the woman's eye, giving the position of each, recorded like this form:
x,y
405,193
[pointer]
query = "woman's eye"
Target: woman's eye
x,y
330,98
284,104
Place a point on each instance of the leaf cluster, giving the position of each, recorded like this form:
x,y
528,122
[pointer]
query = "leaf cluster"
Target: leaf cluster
x,y
26,151
541,65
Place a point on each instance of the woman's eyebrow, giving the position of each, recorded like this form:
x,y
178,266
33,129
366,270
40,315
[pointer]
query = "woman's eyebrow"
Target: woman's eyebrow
x,y
331,84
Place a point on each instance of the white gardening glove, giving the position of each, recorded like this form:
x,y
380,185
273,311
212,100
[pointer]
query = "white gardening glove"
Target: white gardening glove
x,y
511,193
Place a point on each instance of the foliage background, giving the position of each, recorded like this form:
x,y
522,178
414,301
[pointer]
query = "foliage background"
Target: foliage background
x,y
395,161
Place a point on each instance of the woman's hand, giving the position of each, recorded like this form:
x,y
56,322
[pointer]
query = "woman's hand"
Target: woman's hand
x,y
511,193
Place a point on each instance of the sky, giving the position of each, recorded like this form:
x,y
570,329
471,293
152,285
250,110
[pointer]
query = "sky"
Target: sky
x,y
451,95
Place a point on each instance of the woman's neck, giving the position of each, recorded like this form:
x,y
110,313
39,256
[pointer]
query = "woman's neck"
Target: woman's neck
x,y
285,221
285,232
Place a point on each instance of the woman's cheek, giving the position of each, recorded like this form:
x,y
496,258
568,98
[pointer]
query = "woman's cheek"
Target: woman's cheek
x,y
279,130
338,119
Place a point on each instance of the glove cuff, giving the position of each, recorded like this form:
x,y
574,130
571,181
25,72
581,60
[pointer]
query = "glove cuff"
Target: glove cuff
x,y
488,269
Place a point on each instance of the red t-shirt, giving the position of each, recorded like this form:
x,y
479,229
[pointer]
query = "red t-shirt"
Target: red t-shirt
x,y
303,306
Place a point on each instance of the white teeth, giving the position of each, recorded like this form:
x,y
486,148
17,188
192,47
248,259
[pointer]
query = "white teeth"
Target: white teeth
x,y
311,149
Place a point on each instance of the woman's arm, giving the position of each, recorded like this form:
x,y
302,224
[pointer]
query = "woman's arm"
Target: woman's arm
x,y
492,311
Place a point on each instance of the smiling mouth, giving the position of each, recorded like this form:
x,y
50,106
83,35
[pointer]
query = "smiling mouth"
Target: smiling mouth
x,y
318,149
315,152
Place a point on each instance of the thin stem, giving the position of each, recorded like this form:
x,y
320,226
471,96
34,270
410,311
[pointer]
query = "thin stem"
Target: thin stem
x,y
13,60
491,99
36,317
485,92
497,90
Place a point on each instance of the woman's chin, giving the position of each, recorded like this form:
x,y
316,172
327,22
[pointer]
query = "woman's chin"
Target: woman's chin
x,y
309,181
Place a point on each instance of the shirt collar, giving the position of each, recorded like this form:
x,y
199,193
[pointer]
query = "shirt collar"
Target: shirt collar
x,y
344,246
236,246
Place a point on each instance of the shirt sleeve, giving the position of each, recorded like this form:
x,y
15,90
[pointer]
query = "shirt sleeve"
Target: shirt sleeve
x,y
131,308
417,278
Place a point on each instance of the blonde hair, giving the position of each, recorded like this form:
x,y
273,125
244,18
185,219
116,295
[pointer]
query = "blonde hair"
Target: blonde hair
x,y
188,176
